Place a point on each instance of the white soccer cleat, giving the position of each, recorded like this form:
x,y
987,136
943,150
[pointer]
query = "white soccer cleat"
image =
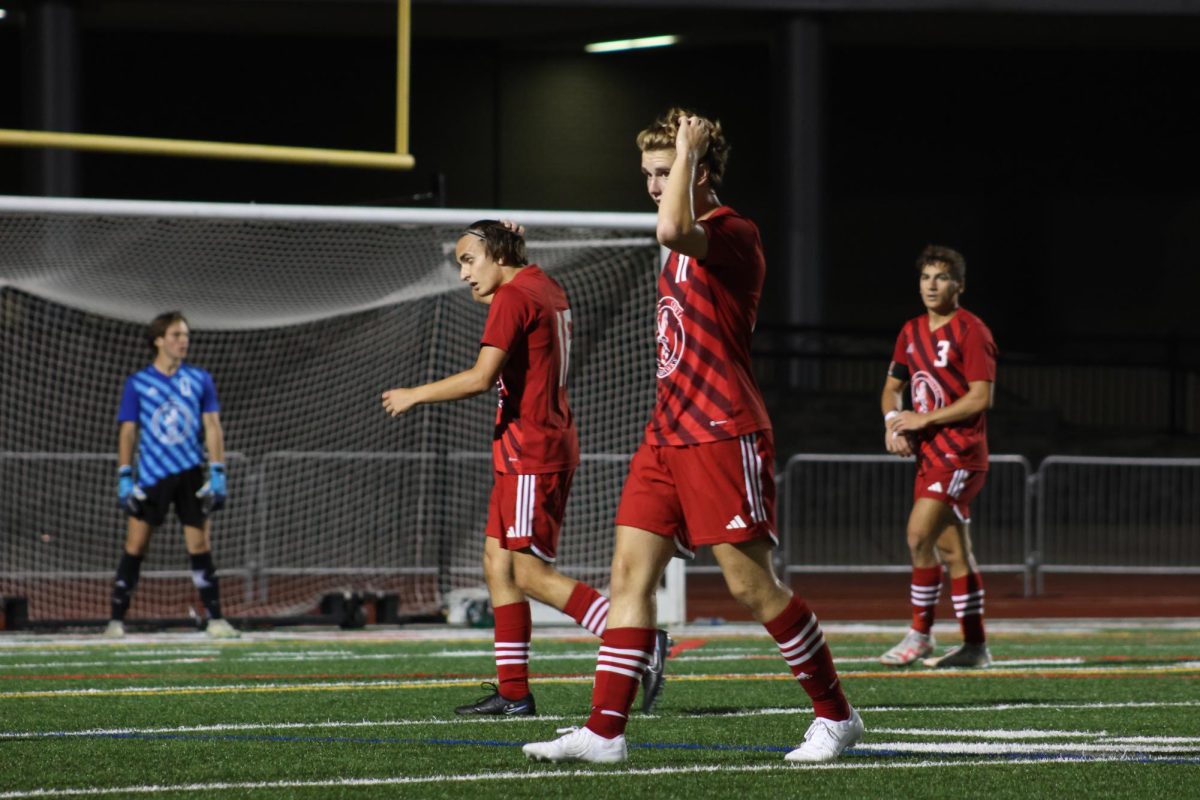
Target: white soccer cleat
x,y
912,647
221,629
965,655
114,630
578,744
826,739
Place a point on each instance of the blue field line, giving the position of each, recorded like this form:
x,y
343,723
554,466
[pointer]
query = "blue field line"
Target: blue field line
x,y
748,748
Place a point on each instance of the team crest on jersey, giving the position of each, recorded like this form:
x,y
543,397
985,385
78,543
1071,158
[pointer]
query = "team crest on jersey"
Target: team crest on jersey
x,y
671,339
172,423
185,386
927,393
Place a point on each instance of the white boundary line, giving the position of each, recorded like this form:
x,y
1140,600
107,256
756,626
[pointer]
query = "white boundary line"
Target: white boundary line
x,y
429,683
533,776
797,711
439,633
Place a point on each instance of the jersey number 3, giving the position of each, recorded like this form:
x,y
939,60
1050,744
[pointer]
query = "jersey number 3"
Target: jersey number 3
x,y
943,353
563,325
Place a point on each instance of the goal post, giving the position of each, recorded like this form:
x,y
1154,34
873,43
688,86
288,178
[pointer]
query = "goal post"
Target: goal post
x,y
304,315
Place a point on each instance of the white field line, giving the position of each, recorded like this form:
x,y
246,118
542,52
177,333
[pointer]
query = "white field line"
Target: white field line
x,y
983,748
525,775
63,652
342,655
1156,739
1035,628
989,708
426,683
277,726
108,663
797,711
984,733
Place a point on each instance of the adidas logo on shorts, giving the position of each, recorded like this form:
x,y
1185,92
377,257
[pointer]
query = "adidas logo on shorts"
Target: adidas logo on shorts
x,y
736,522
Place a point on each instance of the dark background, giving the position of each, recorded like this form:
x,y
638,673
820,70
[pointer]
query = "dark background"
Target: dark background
x,y
1057,151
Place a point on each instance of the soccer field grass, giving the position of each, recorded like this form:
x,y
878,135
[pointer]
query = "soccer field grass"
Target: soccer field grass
x,y
1065,712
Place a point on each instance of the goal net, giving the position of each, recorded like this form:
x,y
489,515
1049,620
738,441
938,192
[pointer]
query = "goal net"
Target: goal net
x,y
304,316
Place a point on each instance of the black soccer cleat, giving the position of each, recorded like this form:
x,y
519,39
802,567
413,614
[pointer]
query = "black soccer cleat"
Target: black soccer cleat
x,y
495,704
653,677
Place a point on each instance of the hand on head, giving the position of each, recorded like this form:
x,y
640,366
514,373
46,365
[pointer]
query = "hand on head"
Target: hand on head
x,y
693,136
515,227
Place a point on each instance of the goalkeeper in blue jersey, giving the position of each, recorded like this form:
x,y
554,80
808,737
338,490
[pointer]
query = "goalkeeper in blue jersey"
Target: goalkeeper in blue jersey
x,y
169,416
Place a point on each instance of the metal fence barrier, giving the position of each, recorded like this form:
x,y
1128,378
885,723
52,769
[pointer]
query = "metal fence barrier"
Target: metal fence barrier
x,y
1117,515
391,514
848,513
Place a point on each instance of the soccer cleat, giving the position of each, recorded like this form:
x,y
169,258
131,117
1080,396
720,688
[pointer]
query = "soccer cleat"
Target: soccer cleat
x,y
578,744
498,705
913,647
826,739
221,629
965,655
653,677
114,630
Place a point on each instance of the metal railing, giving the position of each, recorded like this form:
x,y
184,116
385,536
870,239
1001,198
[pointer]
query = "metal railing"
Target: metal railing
x,y
1117,515
849,513
422,514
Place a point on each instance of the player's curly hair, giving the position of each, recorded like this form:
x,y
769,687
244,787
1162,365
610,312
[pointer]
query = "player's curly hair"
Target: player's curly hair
x,y
661,136
501,244
939,254
158,326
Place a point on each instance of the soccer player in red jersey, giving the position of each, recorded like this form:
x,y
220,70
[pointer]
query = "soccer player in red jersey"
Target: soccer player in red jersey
x,y
948,358
703,475
526,346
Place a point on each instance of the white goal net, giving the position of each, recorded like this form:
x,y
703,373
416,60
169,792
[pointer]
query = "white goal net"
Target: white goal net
x,y
303,315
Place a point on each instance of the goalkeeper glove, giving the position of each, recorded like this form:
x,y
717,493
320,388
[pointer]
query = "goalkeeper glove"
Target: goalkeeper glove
x,y
214,490
130,497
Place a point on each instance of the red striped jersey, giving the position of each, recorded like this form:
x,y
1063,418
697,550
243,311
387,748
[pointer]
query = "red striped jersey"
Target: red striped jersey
x,y
705,317
530,319
939,366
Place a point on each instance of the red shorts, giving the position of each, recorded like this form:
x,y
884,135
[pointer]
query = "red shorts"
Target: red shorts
x,y
954,487
703,494
526,511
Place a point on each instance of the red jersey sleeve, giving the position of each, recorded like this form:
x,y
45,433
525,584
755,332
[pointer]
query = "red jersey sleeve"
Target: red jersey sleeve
x,y
508,318
979,354
898,369
727,238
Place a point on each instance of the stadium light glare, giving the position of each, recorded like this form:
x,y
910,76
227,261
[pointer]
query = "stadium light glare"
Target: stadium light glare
x,y
618,45
3,13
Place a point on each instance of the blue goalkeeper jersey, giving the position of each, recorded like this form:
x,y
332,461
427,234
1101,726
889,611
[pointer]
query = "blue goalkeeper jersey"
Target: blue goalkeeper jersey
x,y
167,410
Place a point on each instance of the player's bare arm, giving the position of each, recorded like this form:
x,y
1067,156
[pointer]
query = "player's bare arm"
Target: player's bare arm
x,y
891,404
127,437
977,399
214,436
468,383
677,212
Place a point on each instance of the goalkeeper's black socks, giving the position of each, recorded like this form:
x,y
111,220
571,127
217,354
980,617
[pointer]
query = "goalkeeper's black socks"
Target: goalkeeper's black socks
x,y
204,576
128,571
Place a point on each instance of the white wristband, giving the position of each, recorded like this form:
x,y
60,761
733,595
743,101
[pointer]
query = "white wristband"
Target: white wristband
x,y
889,415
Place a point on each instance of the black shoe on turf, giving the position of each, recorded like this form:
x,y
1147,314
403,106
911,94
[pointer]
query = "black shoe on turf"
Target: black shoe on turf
x,y
500,706
653,677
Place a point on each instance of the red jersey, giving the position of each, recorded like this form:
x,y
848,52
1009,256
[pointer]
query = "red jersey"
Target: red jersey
x,y
939,366
705,317
530,319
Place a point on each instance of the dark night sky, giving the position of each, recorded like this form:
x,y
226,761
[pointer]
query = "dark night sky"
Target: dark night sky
x,y
1059,155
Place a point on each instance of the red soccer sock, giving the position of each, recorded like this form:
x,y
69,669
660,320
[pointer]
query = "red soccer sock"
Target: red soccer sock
x,y
925,591
967,593
514,629
624,655
803,647
588,607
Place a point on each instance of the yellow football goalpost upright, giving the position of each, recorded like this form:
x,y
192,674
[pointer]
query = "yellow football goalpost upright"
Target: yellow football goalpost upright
x,y
188,148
